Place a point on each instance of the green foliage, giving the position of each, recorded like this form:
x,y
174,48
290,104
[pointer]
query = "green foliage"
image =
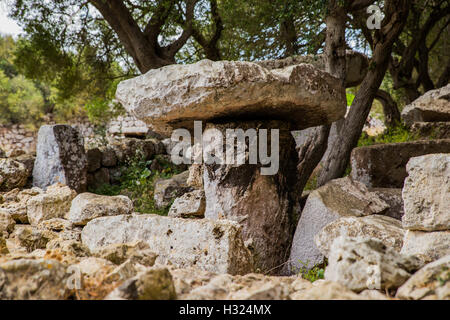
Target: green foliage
x,y
137,182
315,273
399,133
350,98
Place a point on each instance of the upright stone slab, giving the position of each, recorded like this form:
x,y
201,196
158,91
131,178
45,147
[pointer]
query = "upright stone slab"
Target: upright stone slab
x,y
215,246
426,194
384,165
60,157
433,106
338,198
262,204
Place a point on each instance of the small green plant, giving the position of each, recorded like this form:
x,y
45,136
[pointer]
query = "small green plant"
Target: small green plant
x,y
399,133
315,273
137,182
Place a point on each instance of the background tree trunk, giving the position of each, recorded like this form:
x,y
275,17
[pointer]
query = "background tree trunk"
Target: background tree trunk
x,y
390,109
396,13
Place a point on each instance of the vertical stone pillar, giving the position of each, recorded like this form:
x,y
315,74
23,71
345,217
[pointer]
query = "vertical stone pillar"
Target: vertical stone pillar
x,y
263,204
60,157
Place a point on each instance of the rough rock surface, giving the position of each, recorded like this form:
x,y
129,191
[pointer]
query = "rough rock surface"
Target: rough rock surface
x,y
210,245
384,165
433,106
430,282
189,205
434,130
13,174
426,194
386,229
338,198
195,178
174,96
357,65
326,290
393,197
166,190
362,264
94,159
428,246
54,203
118,253
87,206
7,224
263,204
15,201
153,284
60,157
32,280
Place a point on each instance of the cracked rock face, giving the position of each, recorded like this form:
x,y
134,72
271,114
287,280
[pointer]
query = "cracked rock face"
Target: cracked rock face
x,y
433,106
426,194
60,157
176,95
338,198
361,263
180,242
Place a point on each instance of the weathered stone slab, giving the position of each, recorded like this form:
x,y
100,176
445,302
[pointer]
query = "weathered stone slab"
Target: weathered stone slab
x,y
362,264
433,130
384,165
60,157
176,95
386,229
338,198
426,193
428,246
215,246
189,205
263,204
54,203
87,206
166,190
430,282
393,197
13,174
433,106
27,279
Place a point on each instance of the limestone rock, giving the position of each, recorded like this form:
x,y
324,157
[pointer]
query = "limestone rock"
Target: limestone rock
x,y
153,284
384,165
94,159
166,190
210,245
176,95
189,205
121,252
88,206
195,178
393,197
433,130
362,264
430,282
386,229
60,157
3,246
28,279
15,203
7,224
326,290
94,267
433,106
13,174
54,203
357,65
338,198
132,148
428,246
426,194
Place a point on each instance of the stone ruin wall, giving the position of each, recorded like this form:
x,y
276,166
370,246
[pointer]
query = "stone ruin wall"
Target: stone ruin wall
x,y
19,137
